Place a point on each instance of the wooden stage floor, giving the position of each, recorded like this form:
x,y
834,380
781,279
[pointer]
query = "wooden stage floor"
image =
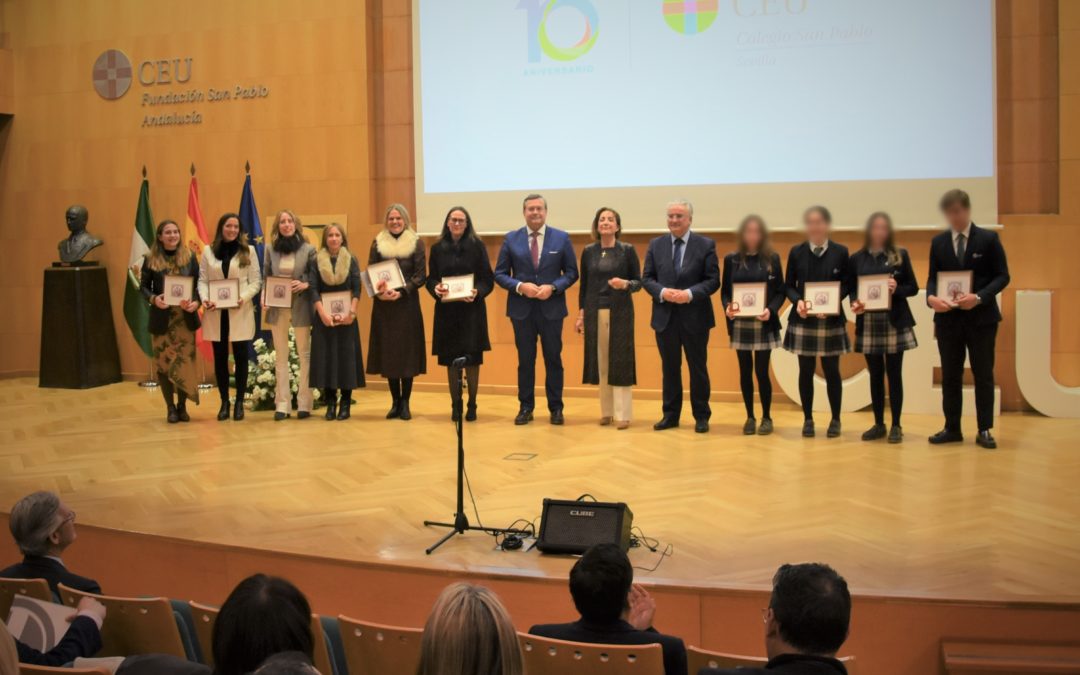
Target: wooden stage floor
x,y
910,520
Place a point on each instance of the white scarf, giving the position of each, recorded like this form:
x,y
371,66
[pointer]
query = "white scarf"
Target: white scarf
x,y
401,246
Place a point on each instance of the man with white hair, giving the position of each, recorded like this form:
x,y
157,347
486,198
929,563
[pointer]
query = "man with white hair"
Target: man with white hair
x,y
43,527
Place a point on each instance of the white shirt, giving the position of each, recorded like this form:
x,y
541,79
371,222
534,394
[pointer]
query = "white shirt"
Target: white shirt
x,y
956,240
686,242
824,247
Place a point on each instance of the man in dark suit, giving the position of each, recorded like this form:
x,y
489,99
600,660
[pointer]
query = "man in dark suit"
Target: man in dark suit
x,y
614,611
805,625
536,265
43,527
681,273
966,324
82,639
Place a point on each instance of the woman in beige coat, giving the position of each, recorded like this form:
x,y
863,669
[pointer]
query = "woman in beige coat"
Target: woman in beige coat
x,y
229,257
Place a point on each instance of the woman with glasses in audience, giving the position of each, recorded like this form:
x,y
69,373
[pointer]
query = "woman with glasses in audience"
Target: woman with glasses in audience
x,y
229,257
172,326
397,349
335,342
460,330
610,274
469,633
883,336
753,337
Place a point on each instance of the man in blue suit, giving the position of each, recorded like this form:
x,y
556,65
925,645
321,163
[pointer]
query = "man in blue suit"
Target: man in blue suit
x,y
536,265
681,273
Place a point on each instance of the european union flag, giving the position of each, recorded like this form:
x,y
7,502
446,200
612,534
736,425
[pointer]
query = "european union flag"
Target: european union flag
x,y
249,222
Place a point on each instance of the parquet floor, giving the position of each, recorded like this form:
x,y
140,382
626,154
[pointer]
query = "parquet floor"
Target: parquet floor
x,y
908,520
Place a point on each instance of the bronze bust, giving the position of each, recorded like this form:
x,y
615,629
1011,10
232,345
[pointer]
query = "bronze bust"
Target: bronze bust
x,y
79,242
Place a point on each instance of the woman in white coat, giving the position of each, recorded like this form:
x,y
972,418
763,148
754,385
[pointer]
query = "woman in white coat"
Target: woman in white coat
x,y
229,257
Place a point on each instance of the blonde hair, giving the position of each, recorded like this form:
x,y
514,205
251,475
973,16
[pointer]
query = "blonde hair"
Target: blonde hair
x,y
155,257
275,229
400,208
469,633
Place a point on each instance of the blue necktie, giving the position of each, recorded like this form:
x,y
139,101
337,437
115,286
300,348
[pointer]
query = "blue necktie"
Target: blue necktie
x,y
677,255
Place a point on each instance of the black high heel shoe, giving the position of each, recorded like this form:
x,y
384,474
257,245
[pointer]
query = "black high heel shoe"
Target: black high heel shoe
x,y
223,411
470,413
331,410
238,408
345,409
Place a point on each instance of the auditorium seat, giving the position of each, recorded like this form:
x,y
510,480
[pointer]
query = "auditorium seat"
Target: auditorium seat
x,y
205,615
697,659
31,588
547,656
134,625
374,649
1000,658
42,670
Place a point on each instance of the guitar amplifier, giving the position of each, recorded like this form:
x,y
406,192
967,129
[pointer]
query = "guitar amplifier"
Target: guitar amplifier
x,y
572,527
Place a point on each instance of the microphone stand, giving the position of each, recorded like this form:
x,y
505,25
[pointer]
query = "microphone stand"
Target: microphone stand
x,y
461,521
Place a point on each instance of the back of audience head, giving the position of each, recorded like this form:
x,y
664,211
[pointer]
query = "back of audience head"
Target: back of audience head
x,y
809,611
287,663
42,524
600,583
469,633
263,616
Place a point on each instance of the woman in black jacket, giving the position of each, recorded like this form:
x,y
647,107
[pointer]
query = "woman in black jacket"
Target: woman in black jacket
x,y
460,329
172,327
884,336
754,338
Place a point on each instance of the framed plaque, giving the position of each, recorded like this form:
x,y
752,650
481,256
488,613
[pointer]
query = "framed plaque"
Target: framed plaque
x,y
338,304
224,293
873,292
458,288
178,288
952,285
278,292
388,271
748,300
822,297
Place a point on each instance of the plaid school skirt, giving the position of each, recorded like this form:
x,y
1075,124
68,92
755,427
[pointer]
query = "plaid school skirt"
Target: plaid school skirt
x,y
816,337
879,337
753,335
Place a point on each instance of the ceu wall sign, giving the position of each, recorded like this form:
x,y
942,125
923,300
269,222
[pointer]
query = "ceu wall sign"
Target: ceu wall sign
x,y
165,88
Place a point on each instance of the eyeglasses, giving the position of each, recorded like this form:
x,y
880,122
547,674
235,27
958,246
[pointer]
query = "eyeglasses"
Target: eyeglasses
x,y
458,221
69,519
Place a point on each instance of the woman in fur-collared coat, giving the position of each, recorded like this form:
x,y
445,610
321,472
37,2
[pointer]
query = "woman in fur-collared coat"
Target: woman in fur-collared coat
x,y
397,345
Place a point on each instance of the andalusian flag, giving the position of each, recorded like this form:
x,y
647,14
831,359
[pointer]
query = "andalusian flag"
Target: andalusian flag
x,y
195,236
136,309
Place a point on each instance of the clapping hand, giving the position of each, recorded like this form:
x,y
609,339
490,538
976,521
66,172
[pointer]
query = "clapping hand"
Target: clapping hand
x,y
642,608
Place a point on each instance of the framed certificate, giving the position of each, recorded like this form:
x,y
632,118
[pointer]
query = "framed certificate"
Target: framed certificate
x,y
278,292
388,271
873,292
338,304
748,300
458,288
224,293
952,285
178,288
822,297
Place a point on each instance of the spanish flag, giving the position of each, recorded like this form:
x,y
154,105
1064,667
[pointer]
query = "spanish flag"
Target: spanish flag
x,y
196,239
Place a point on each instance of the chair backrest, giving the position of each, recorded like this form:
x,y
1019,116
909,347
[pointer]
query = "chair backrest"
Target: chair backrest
x,y
205,616
696,659
374,649
25,669
547,656
31,588
133,625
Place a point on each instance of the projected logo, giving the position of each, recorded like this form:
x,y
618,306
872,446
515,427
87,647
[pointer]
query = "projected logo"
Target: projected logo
x,y
540,41
690,17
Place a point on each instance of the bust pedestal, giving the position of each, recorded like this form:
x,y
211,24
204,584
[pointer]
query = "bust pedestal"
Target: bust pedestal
x,y
78,339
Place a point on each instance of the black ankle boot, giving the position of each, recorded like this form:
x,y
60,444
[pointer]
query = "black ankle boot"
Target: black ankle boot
x,y
470,412
345,408
223,411
181,408
403,410
395,410
171,416
238,408
331,410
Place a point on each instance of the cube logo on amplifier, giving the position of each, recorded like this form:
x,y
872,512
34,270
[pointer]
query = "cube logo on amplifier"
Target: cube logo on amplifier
x,y
572,526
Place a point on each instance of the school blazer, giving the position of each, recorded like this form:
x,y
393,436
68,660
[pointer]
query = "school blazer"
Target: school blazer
x,y
985,257
862,263
557,266
734,273
700,274
152,283
242,318
798,269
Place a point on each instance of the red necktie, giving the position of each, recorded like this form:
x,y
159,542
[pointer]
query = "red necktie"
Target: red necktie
x,y
534,247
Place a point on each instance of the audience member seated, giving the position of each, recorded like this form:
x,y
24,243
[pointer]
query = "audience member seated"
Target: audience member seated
x,y
83,638
43,527
287,663
613,609
469,633
806,623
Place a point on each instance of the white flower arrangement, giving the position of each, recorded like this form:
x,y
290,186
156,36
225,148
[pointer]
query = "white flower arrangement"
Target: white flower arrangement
x,y
261,396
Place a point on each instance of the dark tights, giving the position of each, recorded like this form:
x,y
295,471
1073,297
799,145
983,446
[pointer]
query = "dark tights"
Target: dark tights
x,y
879,366
221,361
830,366
751,363
400,388
167,391
330,396
472,378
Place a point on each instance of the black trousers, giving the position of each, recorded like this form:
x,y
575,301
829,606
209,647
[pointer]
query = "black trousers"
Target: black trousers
x,y
834,385
879,366
673,342
977,342
221,361
751,363
549,331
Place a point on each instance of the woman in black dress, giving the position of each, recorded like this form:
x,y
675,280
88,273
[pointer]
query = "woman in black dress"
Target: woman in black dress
x,y
884,336
335,343
396,349
460,326
172,328
754,338
610,273
813,336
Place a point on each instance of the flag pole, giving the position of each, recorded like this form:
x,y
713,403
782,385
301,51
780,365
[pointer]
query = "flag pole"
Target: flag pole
x,y
150,382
